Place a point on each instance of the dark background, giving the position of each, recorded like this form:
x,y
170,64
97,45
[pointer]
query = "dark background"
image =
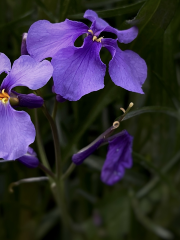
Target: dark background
x,y
146,203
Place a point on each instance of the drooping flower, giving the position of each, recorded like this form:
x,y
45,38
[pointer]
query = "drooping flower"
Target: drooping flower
x,y
24,45
29,159
17,131
79,70
118,156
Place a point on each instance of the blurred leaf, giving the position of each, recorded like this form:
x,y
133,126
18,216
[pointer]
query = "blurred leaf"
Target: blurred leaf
x,y
95,4
169,72
151,184
147,164
94,162
153,109
64,9
47,222
168,90
42,6
113,12
147,223
152,20
115,212
150,166
12,23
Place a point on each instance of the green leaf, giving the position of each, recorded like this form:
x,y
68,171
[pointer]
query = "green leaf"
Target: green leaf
x,y
43,7
115,212
151,184
64,6
152,20
167,87
150,166
12,23
113,12
169,71
153,109
47,222
149,224
98,4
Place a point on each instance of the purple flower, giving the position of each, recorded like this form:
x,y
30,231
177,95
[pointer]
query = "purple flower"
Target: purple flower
x,y
79,157
29,159
59,98
24,45
79,70
17,131
118,157
26,100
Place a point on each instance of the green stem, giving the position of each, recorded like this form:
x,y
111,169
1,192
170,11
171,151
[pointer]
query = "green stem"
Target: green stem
x,y
56,141
55,110
40,144
69,171
47,171
26,180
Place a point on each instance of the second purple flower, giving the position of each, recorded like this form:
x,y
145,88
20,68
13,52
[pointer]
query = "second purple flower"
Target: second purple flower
x,y
79,70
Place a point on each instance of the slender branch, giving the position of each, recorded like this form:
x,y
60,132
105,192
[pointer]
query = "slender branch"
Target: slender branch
x,y
26,180
39,143
55,110
46,170
69,171
56,141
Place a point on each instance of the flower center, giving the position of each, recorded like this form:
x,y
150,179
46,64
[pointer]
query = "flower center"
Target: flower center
x,y
4,96
94,37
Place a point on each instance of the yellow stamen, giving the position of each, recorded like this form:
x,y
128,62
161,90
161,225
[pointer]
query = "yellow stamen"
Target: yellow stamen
x,y
4,96
90,31
94,38
99,39
4,100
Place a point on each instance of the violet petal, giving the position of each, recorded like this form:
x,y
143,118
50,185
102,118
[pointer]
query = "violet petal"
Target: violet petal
x,y
124,36
126,68
5,64
79,157
29,159
59,98
45,39
17,132
24,45
78,71
29,100
99,25
28,72
118,158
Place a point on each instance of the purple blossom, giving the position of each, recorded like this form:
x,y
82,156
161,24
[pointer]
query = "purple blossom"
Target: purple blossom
x,y
79,70
118,157
79,157
29,159
24,45
59,98
17,131
27,100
